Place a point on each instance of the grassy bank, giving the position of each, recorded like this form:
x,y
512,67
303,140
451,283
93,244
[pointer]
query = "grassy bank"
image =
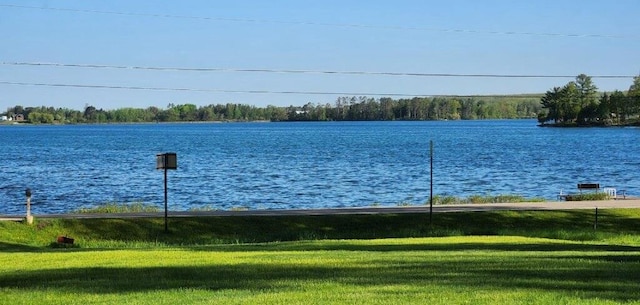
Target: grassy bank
x,y
614,226
535,257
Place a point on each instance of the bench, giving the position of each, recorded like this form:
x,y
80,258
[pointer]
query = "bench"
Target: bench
x,y
624,194
581,186
612,192
588,186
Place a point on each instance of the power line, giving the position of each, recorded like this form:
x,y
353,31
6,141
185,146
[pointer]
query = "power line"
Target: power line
x,y
260,91
408,74
344,25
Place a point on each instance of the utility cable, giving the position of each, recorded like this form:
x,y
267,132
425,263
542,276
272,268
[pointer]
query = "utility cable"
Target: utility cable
x,y
343,25
524,96
408,74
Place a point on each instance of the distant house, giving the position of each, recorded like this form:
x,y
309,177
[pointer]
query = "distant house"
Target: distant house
x,y
18,117
4,118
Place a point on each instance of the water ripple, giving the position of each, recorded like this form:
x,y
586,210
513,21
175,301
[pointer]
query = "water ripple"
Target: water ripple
x,y
306,165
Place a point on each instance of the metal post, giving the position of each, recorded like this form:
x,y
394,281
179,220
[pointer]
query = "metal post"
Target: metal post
x,y
431,182
166,216
166,162
595,224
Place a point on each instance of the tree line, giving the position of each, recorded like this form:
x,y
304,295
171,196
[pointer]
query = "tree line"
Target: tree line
x,y
578,103
343,109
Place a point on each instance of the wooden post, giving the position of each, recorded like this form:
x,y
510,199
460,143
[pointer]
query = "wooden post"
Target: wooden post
x,y
595,224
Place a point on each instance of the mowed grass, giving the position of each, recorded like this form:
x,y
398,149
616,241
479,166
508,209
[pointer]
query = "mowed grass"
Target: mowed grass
x,y
484,258
450,270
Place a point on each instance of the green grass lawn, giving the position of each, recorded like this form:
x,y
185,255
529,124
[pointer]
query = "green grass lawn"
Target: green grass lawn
x,y
497,258
449,270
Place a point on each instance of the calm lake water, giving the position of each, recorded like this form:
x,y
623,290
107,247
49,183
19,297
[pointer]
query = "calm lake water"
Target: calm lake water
x,y
306,165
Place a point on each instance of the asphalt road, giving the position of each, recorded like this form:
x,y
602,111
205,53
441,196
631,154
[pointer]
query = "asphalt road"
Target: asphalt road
x,y
526,206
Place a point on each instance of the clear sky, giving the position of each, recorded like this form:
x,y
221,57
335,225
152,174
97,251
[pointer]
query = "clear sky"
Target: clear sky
x,y
544,37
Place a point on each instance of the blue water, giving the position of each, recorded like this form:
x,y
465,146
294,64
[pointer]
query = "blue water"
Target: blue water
x,y
306,165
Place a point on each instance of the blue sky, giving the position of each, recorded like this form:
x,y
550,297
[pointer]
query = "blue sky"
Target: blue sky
x,y
453,36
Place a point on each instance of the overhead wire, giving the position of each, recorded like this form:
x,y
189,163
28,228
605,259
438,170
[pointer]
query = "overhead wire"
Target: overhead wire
x,y
263,91
308,23
218,69
249,70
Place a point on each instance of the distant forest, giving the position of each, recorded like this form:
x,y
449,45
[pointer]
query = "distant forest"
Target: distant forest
x,y
578,103
344,109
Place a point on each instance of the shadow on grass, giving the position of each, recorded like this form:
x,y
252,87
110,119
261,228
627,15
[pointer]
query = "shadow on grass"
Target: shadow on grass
x,y
569,225
345,245
9,247
578,277
444,247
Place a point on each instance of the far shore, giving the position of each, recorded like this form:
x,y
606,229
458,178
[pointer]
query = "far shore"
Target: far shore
x,y
26,123
573,125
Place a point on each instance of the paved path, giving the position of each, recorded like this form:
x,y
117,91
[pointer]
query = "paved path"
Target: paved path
x,y
562,205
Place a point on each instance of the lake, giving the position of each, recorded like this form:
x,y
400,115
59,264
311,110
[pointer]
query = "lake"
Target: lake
x,y
306,165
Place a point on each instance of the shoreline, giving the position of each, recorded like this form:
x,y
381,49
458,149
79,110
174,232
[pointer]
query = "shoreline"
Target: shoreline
x,y
574,125
27,123
629,203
